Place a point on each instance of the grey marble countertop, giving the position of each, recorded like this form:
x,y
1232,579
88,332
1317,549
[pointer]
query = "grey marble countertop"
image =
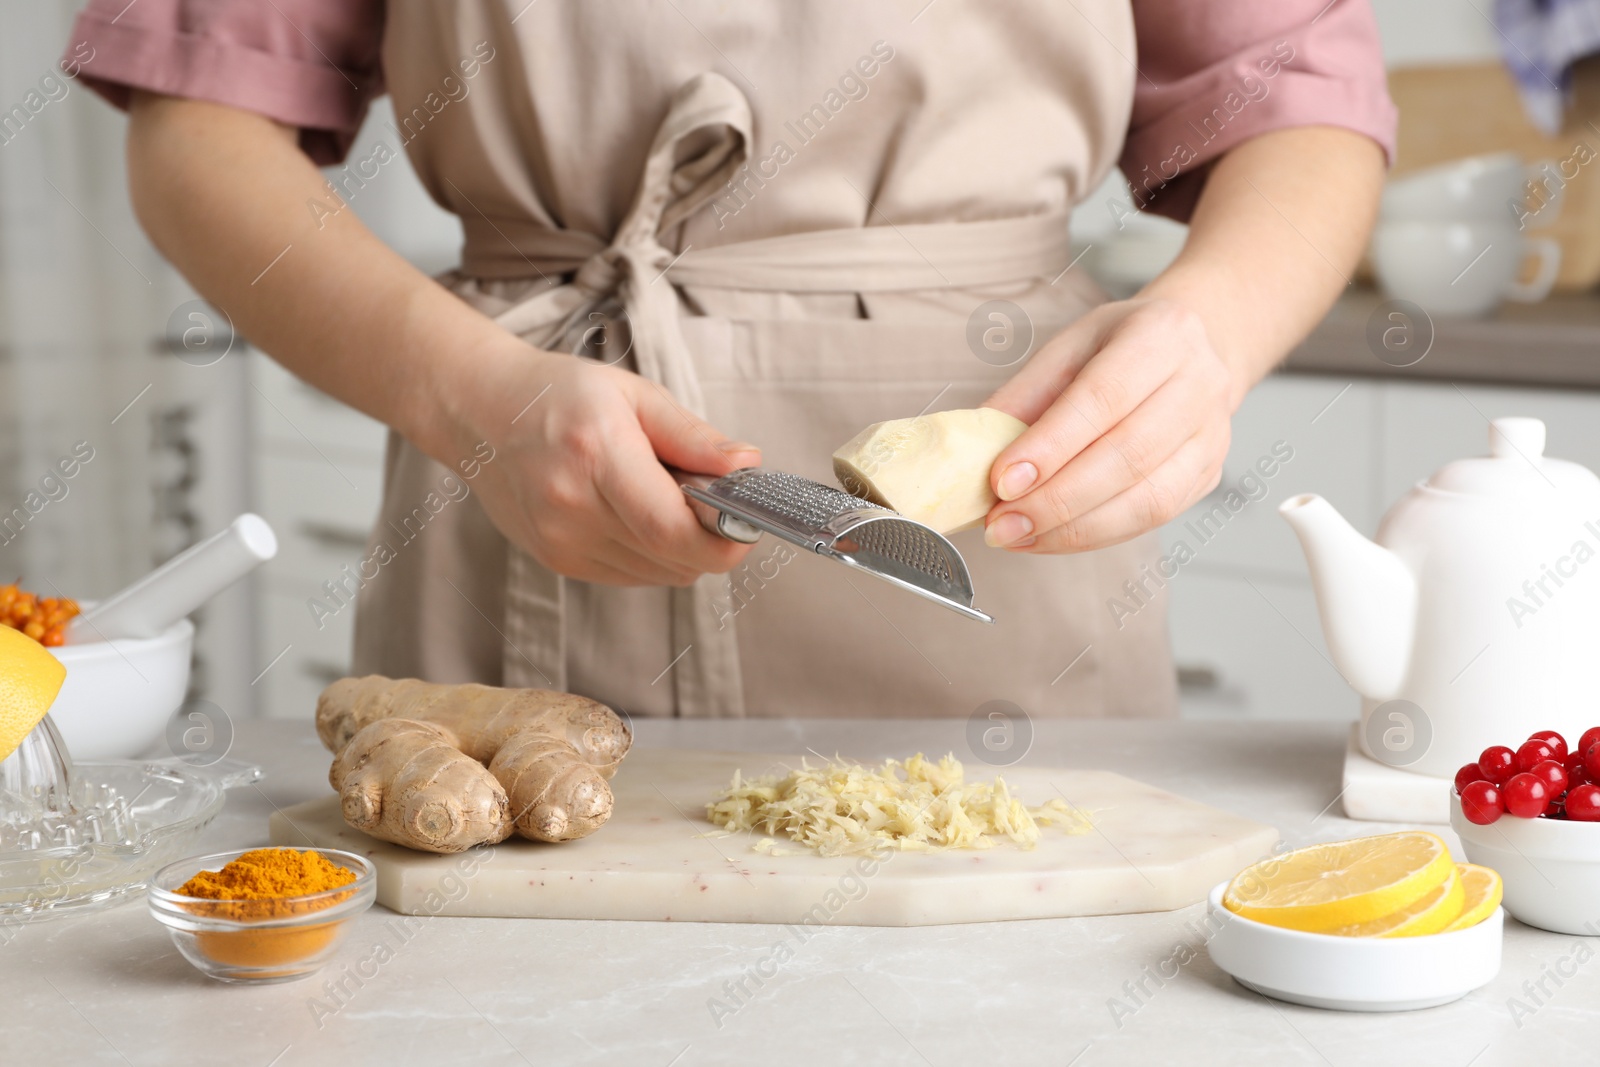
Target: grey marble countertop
x,y
111,988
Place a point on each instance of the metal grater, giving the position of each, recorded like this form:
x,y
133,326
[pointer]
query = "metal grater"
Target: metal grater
x,y
834,524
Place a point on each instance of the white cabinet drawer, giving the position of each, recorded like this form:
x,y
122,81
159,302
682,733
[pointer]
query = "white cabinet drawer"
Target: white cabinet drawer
x,y
315,650
1327,428
321,513
1255,647
293,414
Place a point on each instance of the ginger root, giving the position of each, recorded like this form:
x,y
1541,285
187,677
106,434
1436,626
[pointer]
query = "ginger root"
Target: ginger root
x,y
445,767
933,468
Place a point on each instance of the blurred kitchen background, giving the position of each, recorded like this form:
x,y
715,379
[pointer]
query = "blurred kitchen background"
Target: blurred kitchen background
x,y
102,343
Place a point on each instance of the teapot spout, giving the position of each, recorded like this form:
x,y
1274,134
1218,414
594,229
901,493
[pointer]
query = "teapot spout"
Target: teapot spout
x,y
1366,596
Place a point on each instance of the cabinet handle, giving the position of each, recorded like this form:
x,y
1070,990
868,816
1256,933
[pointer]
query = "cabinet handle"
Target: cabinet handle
x,y
1196,678
330,536
324,672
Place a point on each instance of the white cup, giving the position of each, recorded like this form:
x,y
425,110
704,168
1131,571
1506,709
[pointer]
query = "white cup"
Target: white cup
x,y
1487,188
1461,269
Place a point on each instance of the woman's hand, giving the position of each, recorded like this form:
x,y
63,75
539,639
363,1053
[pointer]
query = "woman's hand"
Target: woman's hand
x,y
577,482
1129,410
1130,405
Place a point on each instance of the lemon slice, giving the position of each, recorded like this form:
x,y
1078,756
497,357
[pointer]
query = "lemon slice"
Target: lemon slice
x,y
1341,883
1482,885
1429,914
30,678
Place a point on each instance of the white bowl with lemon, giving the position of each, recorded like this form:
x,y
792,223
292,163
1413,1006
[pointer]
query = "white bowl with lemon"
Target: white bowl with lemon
x,y
1387,923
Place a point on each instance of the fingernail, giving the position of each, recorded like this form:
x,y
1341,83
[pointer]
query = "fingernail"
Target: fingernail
x,y
1017,479
1026,542
727,447
1006,529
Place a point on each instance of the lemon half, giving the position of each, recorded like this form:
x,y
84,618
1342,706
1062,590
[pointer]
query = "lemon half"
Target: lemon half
x,y
30,678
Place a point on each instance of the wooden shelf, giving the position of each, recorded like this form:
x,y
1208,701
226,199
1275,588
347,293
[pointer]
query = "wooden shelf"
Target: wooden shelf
x,y
1554,343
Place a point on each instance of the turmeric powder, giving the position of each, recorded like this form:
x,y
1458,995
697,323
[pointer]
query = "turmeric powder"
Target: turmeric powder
x,y
259,886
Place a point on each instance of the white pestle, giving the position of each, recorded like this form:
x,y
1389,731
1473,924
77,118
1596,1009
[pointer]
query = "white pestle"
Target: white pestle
x,y
174,589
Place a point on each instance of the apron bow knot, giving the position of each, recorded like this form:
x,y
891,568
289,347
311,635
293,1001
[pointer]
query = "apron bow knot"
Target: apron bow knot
x,y
703,138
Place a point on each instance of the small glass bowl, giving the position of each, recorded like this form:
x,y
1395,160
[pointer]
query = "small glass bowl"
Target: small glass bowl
x,y
273,949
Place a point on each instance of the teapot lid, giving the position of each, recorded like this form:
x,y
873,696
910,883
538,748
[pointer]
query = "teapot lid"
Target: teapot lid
x,y
1515,466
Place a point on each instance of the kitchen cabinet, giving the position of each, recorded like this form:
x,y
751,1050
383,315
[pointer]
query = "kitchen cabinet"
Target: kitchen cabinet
x,y
318,652
322,512
1292,435
1245,633
319,475
1249,645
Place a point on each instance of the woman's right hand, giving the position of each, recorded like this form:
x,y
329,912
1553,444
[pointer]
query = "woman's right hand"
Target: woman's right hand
x,y
578,480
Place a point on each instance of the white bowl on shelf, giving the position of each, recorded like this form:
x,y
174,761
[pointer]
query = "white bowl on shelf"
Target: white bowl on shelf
x,y
1479,187
119,695
1550,867
1354,973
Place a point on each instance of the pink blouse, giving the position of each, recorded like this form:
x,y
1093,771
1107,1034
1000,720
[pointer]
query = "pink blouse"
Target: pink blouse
x,y
1210,75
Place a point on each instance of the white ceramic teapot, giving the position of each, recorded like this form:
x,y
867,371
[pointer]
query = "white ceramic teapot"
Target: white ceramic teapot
x,y
1479,604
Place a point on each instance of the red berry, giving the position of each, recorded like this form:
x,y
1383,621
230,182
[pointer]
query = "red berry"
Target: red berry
x,y
1482,803
1557,743
1467,774
1590,738
1526,796
1553,775
1531,754
1496,764
1591,762
1583,803
1577,776
1572,759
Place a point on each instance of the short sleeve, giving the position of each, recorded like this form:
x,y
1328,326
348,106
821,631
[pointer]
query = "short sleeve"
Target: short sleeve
x,y
314,64
1214,73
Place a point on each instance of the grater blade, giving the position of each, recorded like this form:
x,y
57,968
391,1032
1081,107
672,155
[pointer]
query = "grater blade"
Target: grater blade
x,y
832,523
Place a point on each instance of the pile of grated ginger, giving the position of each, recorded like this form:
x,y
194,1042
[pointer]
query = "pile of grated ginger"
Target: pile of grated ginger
x,y
844,808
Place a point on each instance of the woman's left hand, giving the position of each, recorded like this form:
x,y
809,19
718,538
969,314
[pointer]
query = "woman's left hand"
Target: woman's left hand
x,y
1129,406
1128,410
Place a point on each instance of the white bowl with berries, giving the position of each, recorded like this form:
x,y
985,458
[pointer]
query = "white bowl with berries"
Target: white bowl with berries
x,y
1533,814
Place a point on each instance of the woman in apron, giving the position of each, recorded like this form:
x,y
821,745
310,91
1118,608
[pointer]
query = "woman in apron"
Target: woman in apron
x,y
707,236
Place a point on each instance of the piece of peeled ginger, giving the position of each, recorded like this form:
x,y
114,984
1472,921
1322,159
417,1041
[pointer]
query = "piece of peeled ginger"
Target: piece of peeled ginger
x,y
933,468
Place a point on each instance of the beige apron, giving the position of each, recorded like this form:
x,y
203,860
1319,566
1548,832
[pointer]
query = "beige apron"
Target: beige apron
x,y
793,260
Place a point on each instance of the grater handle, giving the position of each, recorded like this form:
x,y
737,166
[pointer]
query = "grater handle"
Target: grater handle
x,y
718,522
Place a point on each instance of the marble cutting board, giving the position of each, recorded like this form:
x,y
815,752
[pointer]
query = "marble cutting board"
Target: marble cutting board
x,y
657,859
